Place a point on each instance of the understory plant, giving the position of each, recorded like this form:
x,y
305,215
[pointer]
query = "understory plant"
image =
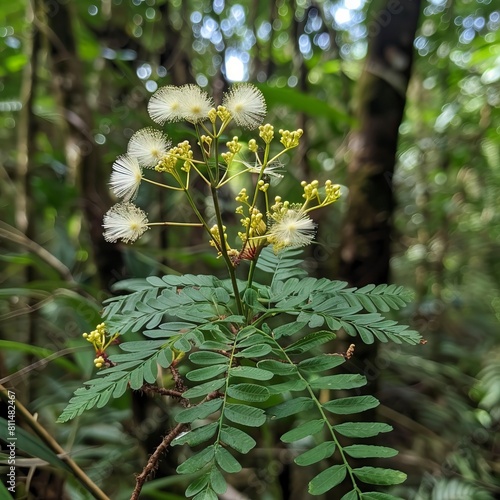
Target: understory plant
x,y
240,353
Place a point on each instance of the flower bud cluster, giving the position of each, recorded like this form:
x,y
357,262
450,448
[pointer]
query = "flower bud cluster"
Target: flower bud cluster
x,y
97,337
266,132
223,114
216,239
101,340
290,139
182,151
242,196
311,192
252,145
263,186
234,148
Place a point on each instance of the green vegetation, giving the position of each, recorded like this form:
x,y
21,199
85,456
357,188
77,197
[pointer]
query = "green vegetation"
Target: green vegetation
x,y
290,408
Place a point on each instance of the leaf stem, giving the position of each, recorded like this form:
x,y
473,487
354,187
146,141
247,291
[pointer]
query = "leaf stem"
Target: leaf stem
x,y
323,415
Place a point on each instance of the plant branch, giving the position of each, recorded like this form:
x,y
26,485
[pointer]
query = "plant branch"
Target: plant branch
x,y
154,459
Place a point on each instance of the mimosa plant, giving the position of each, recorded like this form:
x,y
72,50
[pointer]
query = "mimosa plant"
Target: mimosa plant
x,y
240,353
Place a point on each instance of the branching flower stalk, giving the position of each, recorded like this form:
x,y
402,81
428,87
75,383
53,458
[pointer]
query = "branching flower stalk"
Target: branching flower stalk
x,y
284,225
248,342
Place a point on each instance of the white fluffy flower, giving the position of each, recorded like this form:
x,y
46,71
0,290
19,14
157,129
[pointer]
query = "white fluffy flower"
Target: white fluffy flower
x,y
125,222
292,229
195,103
126,177
165,104
246,104
148,146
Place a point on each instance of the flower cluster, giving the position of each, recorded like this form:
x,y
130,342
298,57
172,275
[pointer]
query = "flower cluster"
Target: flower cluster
x,y
282,225
100,339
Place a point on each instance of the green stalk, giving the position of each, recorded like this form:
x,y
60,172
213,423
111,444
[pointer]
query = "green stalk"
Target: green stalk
x,y
218,216
223,250
325,418
253,266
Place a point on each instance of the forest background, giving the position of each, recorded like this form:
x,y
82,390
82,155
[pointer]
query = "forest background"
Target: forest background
x,y
419,159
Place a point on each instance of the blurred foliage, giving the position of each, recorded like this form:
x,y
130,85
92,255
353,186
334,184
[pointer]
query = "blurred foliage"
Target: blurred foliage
x,y
306,56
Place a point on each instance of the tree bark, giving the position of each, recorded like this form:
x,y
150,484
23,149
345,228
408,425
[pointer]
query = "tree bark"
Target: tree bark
x,y
380,101
82,153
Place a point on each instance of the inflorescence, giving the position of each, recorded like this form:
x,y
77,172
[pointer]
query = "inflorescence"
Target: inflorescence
x,y
283,224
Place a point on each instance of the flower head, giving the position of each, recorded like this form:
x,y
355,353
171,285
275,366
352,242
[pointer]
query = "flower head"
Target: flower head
x,y
148,146
194,103
165,104
125,177
124,221
246,104
291,229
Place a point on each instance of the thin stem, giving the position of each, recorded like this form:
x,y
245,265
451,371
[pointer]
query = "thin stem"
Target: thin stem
x,y
223,250
155,458
167,223
162,185
200,174
56,448
253,266
229,179
218,215
325,418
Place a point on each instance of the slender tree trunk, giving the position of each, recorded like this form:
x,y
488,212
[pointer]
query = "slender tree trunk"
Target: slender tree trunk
x,y
381,98
379,106
25,213
82,153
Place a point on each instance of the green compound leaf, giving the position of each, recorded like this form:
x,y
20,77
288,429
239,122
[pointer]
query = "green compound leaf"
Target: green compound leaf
x,y
206,373
316,454
306,429
362,429
226,461
327,479
237,439
251,393
197,462
208,358
321,363
379,476
339,382
197,436
244,415
203,410
291,407
355,404
204,389
370,451
251,372
309,341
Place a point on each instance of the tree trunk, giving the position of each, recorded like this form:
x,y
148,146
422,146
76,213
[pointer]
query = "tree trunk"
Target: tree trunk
x,y
380,99
82,153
